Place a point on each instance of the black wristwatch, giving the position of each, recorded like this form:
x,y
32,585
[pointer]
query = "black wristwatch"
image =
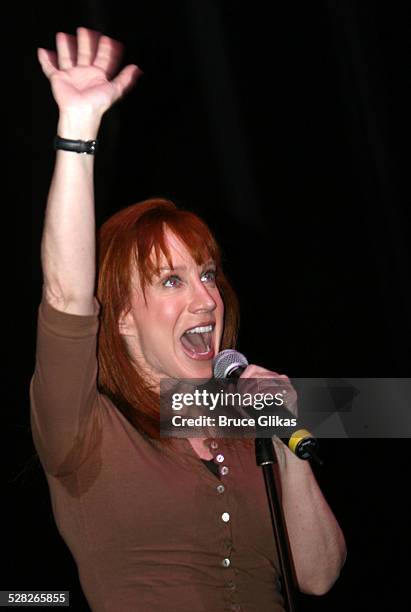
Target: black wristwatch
x,y
88,147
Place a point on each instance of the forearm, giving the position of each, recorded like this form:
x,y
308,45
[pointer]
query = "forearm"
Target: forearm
x,y
68,244
316,540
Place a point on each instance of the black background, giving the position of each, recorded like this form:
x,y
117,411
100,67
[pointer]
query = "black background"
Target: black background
x,y
285,125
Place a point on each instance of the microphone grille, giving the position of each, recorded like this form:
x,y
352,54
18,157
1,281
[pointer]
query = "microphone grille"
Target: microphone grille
x,y
226,361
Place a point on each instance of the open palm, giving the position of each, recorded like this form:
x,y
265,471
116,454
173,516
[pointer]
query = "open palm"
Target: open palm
x,y
82,71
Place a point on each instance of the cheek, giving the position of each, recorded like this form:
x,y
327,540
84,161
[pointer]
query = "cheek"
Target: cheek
x,y
159,324
167,314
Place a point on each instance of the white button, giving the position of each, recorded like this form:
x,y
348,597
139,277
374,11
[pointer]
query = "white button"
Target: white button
x,y
226,562
219,458
226,517
224,470
220,488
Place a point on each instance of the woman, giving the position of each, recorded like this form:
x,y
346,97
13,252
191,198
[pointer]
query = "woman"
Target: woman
x,y
150,527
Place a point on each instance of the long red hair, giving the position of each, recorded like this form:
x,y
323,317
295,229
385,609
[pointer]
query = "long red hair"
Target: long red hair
x,y
130,238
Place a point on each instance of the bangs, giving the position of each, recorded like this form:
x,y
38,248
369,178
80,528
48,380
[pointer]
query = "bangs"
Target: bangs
x,y
151,244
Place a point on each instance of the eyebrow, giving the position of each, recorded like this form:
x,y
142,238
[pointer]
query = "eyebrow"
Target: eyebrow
x,y
167,269
175,268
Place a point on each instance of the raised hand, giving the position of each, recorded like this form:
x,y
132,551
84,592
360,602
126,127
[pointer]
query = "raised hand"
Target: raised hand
x,y
83,71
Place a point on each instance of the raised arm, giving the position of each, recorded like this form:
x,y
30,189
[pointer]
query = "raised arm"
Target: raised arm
x,y
85,84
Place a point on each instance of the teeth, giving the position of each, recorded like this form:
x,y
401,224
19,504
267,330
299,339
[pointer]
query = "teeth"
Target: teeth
x,y
200,330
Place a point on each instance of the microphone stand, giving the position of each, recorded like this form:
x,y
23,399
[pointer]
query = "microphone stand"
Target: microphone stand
x,y
266,458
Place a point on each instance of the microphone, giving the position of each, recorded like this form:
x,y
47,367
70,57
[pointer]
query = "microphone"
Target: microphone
x,y
231,364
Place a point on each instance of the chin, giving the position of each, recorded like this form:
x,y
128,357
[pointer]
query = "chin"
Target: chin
x,y
206,372
201,369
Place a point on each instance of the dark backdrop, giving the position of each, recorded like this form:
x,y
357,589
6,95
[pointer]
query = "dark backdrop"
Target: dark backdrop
x,y
285,126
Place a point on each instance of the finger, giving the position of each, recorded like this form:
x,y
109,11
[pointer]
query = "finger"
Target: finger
x,y
126,79
109,54
66,45
249,370
87,43
48,61
255,371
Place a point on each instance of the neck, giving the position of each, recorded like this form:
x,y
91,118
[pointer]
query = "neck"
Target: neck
x,y
199,447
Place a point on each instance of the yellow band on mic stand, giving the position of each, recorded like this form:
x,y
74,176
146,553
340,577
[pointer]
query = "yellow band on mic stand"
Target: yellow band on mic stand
x,y
297,437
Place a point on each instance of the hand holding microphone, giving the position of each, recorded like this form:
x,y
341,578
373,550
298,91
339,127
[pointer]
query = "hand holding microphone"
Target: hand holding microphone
x,y
232,364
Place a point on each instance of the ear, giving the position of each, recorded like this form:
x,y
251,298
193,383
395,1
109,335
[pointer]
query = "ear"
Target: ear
x,y
126,324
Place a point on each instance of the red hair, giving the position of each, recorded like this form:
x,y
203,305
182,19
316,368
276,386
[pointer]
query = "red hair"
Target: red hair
x,y
128,238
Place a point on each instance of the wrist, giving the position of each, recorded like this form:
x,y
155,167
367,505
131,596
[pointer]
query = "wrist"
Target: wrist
x,y
288,462
78,124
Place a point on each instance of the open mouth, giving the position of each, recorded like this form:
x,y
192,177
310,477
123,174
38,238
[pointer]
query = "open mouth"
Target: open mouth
x,y
197,342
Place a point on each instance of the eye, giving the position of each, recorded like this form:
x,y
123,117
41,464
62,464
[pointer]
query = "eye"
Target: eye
x,y
209,276
172,281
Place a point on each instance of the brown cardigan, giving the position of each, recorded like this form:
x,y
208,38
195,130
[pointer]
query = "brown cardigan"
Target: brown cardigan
x,y
150,528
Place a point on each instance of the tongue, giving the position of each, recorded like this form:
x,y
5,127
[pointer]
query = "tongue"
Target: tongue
x,y
197,343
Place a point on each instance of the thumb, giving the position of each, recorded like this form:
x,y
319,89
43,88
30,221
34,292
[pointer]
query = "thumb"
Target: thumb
x,y
126,79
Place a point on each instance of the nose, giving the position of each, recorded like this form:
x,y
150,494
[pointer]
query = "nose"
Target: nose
x,y
201,299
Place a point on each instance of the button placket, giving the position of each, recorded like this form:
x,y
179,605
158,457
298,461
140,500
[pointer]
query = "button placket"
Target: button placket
x,y
219,458
213,445
228,546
